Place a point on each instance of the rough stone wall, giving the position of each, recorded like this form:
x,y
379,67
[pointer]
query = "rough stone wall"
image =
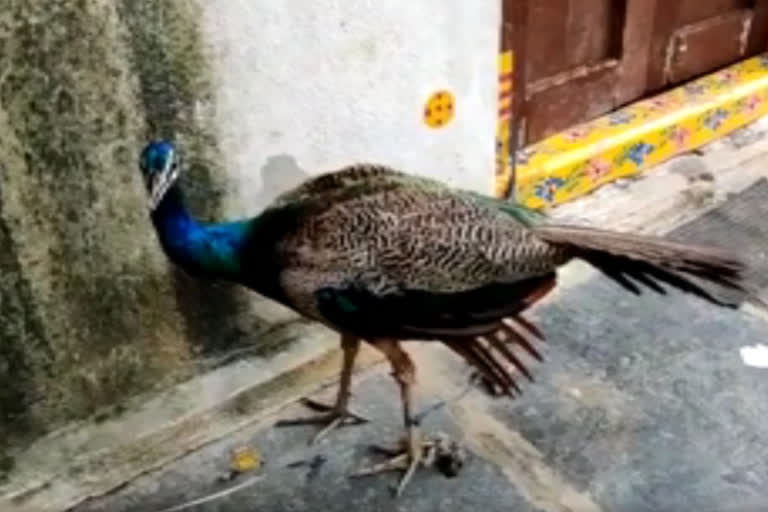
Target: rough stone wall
x,y
90,312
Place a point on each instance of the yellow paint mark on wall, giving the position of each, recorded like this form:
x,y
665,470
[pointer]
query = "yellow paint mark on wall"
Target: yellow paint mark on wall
x,y
505,65
440,109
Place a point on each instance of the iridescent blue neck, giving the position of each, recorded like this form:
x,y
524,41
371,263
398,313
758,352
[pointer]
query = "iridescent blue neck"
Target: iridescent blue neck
x,y
171,218
211,250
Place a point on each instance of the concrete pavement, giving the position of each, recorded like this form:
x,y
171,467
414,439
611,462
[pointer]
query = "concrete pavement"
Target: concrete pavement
x,y
643,404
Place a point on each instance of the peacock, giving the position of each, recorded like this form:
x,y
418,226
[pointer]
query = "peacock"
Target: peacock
x,y
383,256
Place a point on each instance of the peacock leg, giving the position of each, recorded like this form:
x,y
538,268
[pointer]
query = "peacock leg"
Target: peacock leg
x,y
406,460
338,414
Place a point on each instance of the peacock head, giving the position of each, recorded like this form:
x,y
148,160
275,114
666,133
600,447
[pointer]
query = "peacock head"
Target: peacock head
x,y
160,166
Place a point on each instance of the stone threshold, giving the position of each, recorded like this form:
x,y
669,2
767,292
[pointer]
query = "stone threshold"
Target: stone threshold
x,y
572,163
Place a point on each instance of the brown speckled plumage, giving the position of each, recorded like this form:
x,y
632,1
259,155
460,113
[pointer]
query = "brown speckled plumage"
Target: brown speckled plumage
x,y
382,256
383,233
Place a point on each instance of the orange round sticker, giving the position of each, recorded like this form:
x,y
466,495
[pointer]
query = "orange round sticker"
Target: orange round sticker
x,y
439,109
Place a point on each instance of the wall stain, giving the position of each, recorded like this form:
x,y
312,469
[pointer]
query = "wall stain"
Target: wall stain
x,y
21,332
279,174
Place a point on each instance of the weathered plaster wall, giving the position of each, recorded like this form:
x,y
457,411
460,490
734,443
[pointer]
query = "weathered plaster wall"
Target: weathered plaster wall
x,y
258,95
302,90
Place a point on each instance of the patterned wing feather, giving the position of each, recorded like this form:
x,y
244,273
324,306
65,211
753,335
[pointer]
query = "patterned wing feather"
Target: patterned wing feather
x,y
388,251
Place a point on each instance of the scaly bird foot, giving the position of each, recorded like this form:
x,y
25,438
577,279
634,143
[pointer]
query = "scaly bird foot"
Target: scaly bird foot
x,y
333,419
446,455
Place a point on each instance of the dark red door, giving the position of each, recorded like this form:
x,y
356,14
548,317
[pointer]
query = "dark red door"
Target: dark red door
x,y
584,58
695,37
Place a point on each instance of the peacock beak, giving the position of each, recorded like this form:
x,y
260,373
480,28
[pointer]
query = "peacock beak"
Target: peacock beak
x,y
159,183
158,186
155,192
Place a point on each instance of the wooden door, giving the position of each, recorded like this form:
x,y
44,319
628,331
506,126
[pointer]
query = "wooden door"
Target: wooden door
x,y
695,37
579,59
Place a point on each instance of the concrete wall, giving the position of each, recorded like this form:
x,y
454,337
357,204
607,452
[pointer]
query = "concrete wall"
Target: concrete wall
x,y
258,95
304,89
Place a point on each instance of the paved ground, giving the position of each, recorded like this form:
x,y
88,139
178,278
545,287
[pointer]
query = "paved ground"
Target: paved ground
x,y
643,404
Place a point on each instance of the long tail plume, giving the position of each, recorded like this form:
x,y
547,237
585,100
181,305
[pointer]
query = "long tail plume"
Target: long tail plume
x,y
493,355
636,261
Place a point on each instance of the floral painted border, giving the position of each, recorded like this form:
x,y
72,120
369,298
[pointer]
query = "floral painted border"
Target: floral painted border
x,y
627,141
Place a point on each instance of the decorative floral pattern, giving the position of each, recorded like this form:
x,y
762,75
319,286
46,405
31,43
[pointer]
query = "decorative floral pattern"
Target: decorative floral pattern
x,y
751,104
636,153
748,105
695,89
547,189
575,162
713,120
596,169
726,77
660,103
578,132
678,135
621,117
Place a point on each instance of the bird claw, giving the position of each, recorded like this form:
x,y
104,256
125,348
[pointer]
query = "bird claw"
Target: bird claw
x,y
439,451
402,462
333,419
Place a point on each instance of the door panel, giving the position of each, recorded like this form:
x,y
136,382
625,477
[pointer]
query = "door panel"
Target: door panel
x,y
694,11
565,34
707,45
695,37
583,58
552,106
